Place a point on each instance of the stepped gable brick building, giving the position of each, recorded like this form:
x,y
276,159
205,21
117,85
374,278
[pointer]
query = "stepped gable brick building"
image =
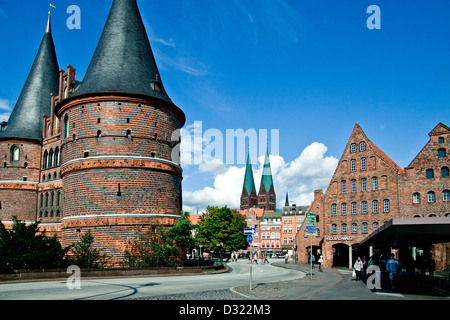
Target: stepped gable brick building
x,y
368,189
97,154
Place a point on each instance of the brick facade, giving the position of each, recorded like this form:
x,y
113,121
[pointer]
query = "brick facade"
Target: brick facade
x,y
106,160
367,190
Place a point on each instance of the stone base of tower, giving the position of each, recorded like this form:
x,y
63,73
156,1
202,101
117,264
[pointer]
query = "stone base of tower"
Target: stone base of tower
x,y
112,233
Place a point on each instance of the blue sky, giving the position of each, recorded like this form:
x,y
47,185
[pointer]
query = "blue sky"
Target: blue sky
x,y
310,68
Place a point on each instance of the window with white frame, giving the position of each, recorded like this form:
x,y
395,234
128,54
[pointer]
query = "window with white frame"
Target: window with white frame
x,y
343,186
353,186
333,209
334,229
363,184
374,183
364,207
353,165
362,146
386,207
353,148
446,195
375,206
416,198
354,228
363,164
344,209
375,226
364,228
354,211
431,196
344,228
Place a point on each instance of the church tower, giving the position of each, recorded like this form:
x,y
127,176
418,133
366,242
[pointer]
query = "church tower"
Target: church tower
x,y
117,168
266,196
249,199
21,137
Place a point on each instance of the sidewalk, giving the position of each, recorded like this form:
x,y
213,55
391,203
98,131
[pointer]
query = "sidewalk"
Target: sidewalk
x,y
334,284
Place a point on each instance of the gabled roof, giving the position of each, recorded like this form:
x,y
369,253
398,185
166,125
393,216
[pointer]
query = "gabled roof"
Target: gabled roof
x,y
26,120
123,61
378,150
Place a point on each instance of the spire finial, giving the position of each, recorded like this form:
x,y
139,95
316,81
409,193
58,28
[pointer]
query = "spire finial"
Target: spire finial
x,y
48,29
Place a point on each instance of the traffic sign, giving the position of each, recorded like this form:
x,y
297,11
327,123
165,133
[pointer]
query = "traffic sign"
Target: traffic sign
x,y
249,231
250,239
310,221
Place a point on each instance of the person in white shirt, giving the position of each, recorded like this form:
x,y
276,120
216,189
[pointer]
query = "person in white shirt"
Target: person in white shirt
x,y
358,266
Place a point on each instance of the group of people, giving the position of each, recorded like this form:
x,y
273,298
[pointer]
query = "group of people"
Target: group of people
x,y
255,258
389,268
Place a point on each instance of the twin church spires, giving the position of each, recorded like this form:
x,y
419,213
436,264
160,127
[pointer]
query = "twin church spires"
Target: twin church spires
x,y
266,197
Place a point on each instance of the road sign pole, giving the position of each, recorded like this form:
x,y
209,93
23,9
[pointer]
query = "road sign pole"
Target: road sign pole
x,y
310,256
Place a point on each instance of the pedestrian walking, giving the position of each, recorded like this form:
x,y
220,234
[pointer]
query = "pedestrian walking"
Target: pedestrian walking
x,y
392,267
358,266
320,261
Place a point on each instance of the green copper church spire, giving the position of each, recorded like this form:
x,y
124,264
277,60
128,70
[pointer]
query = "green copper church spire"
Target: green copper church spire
x,y
266,179
249,182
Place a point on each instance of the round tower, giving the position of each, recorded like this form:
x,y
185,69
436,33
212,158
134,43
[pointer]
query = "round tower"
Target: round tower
x,y
117,169
21,137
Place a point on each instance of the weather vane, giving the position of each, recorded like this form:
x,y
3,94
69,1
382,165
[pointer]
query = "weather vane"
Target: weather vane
x,y
50,9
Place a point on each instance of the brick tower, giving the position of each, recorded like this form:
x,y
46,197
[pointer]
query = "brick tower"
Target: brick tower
x,y
116,127
21,136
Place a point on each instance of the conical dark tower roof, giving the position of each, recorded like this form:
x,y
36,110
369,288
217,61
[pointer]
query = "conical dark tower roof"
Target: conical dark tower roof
x,y
26,120
123,61
266,178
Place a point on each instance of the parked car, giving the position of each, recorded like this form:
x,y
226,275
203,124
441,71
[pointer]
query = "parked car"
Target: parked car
x,y
279,256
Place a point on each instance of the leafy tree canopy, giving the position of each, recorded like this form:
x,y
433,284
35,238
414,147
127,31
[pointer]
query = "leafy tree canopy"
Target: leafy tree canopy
x,y
222,225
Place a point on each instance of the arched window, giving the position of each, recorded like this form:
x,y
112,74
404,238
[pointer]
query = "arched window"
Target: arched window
x,y
363,184
364,207
444,172
375,226
15,153
353,148
374,183
333,209
363,164
44,160
56,160
446,195
354,210
429,173
344,228
354,228
352,165
344,209
50,158
386,207
431,196
441,153
362,146
343,186
416,197
353,186
364,228
66,130
334,229
375,206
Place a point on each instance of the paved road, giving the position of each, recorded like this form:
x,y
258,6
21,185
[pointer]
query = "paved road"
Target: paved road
x,y
126,288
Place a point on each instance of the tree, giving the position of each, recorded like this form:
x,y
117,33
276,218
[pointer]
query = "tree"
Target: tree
x,y
221,225
159,247
84,255
151,249
25,247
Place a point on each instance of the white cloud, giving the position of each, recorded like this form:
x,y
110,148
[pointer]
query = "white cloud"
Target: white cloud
x,y
310,171
5,110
